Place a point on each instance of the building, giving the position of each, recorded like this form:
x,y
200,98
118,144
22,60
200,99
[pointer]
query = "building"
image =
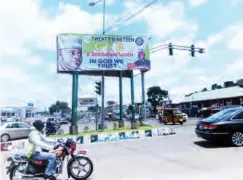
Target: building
x,y
17,112
214,98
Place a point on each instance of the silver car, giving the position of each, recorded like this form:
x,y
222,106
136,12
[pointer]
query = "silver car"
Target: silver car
x,y
13,130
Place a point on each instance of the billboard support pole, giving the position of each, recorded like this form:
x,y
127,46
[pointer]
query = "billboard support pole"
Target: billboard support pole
x,y
103,100
103,79
96,115
143,96
74,128
121,123
133,121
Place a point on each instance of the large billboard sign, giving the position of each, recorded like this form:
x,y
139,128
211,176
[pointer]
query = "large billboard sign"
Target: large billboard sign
x,y
80,52
86,102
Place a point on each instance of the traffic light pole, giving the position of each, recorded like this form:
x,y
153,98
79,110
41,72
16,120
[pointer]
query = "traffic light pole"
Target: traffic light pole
x,y
102,99
121,123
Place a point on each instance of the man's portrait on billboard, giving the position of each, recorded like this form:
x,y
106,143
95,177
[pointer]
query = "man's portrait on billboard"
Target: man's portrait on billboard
x,y
70,55
142,63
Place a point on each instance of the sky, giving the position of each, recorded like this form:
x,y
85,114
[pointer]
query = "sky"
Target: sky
x,y
28,51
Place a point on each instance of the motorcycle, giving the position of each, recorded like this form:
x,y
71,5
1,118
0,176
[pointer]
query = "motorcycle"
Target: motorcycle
x,y
34,169
54,131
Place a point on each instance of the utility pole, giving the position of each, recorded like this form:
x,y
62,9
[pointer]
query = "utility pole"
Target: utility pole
x,y
103,74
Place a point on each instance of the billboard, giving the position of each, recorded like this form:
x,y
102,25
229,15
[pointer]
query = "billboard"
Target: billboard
x,y
87,101
82,52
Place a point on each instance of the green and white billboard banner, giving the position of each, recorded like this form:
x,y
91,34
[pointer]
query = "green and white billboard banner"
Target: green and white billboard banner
x,y
82,52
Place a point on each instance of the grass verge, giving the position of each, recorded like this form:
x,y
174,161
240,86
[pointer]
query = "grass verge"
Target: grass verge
x,y
93,132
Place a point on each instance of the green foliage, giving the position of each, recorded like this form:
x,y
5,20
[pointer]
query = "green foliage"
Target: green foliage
x,y
216,86
121,124
86,129
59,106
204,89
110,103
155,95
229,84
92,108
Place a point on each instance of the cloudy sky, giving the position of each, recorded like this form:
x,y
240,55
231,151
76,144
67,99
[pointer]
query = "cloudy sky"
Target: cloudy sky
x,y
28,57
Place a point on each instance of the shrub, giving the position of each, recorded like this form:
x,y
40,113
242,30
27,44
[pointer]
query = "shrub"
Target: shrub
x,y
86,129
121,124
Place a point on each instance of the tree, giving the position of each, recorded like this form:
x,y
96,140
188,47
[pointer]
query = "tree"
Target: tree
x,y
229,84
155,95
216,86
239,82
204,89
110,103
92,108
129,109
59,106
219,87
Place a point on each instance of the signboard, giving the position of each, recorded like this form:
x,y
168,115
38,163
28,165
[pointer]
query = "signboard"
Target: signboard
x,y
87,101
30,104
80,52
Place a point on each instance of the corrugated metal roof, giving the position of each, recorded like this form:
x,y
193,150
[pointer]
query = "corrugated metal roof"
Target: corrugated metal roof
x,y
229,92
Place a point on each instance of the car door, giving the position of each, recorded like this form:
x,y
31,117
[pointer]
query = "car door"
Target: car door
x,y
238,121
12,130
23,130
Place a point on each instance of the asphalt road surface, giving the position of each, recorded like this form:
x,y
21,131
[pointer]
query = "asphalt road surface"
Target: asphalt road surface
x,y
178,157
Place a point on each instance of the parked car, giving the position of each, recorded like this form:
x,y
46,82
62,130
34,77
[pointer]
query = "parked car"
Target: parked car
x,y
226,125
185,117
15,130
63,121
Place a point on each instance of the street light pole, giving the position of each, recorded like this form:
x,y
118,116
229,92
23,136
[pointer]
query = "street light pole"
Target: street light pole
x,y
103,74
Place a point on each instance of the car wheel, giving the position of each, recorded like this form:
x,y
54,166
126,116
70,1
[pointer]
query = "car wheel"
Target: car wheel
x,y
237,139
5,137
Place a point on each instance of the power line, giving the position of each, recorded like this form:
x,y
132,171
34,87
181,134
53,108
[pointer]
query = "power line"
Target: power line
x,y
135,14
125,14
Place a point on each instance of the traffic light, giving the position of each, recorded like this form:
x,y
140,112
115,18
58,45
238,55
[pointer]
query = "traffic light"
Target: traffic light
x,y
192,50
201,50
170,49
98,87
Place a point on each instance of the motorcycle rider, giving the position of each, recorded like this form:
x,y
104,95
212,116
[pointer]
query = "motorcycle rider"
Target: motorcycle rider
x,y
50,127
38,143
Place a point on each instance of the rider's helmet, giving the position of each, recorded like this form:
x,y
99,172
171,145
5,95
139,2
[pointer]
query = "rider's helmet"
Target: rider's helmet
x,y
39,125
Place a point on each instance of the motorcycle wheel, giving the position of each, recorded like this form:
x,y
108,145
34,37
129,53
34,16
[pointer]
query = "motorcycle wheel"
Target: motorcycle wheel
x,y
13,171
77,177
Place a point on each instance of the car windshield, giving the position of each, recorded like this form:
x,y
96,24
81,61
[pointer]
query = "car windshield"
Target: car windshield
x,y
221,114
177,111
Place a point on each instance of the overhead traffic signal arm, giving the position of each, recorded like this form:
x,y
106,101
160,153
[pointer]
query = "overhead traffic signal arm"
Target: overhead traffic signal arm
x,y
171,48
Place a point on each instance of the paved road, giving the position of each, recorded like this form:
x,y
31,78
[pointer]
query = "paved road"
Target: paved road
x,y
179,157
